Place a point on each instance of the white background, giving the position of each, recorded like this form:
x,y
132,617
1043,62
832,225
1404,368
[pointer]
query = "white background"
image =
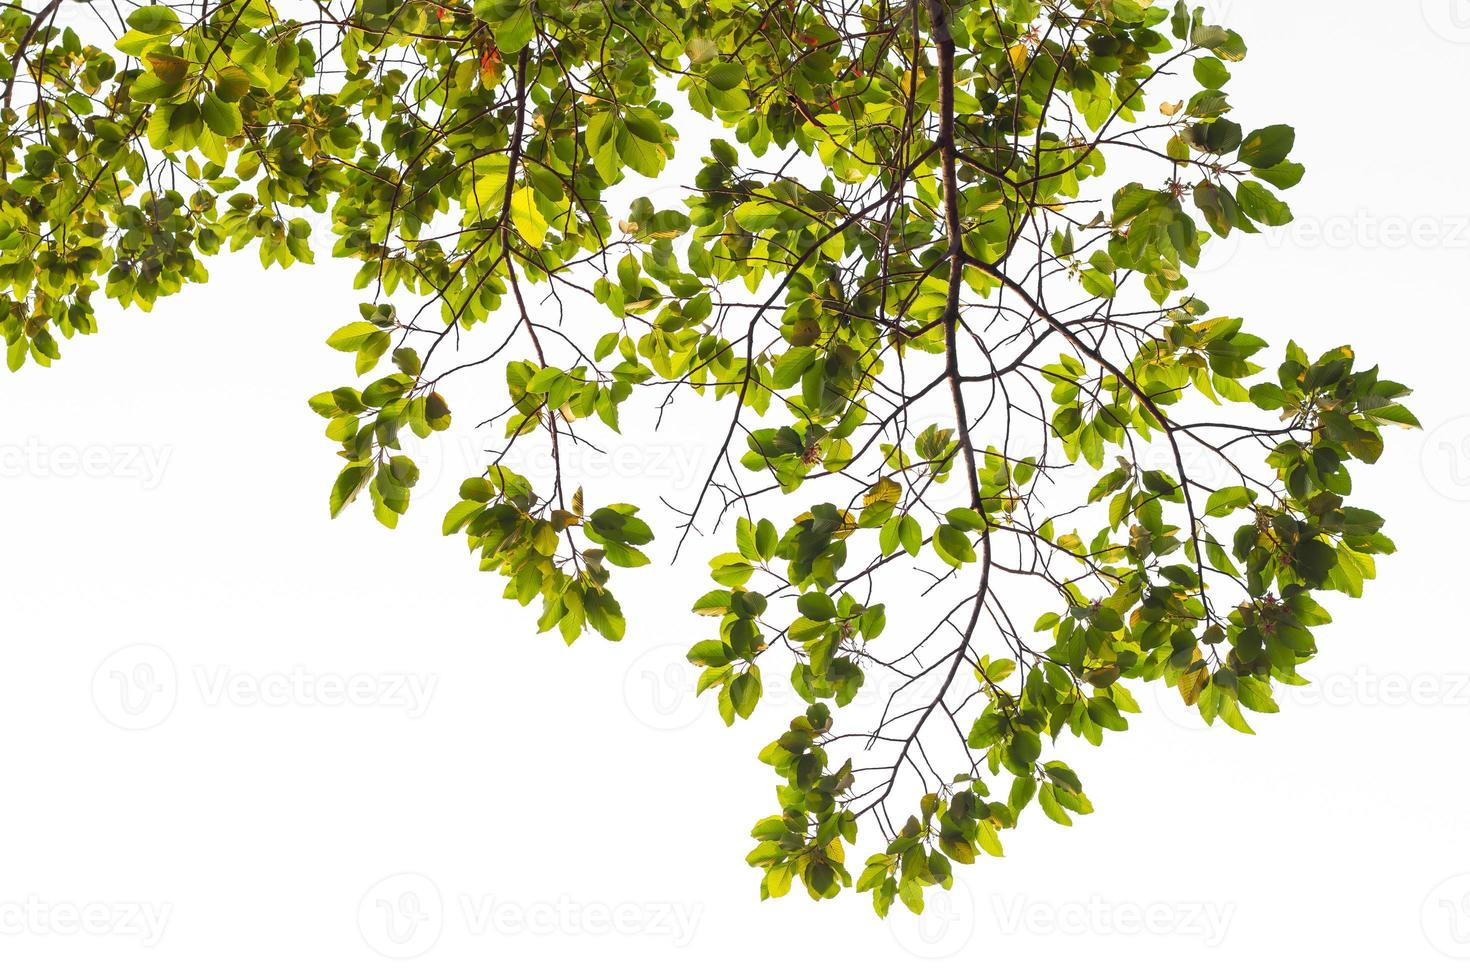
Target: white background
x,y
489,802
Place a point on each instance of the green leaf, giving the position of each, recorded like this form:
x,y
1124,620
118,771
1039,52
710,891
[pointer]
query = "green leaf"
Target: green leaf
x,y
952,545
1259,203
1228,499
349,482
725,76
745,692
816,606
232,84
1047,796
220,116
352,336
513,28
1267,147
1283,175
1211,73
154,20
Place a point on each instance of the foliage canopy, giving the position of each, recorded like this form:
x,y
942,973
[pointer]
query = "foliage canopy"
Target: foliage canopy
x,y
941,244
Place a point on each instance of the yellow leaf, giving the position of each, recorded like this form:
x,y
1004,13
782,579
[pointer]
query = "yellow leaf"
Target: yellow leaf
x,y
1192,681
487,192
885,491
527,217
169,68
